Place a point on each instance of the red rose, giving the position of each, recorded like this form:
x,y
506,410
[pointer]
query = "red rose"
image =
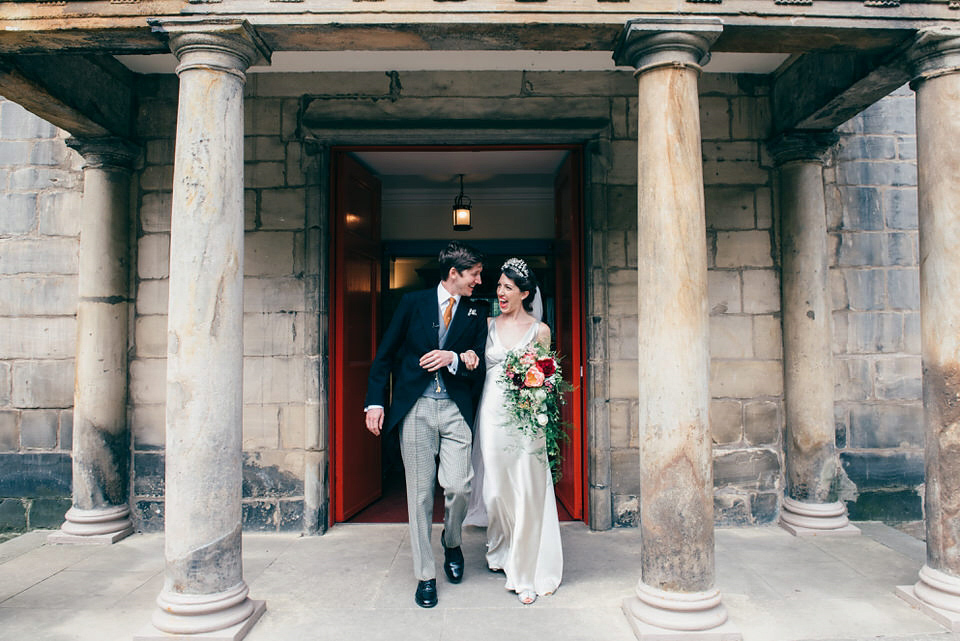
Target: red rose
x,y
547,365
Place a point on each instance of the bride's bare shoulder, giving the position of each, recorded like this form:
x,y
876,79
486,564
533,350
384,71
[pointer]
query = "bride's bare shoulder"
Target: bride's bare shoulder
x,y
543,334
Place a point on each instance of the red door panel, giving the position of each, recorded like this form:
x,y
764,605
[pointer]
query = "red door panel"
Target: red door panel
x,y
569,331
355,249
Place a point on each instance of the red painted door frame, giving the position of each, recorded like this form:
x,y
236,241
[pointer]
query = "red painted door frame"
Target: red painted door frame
x,y
575,361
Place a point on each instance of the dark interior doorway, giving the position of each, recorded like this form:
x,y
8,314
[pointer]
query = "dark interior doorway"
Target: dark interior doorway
x,y
367,476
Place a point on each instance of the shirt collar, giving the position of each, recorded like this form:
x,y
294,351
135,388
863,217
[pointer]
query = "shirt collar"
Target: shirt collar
x,y
443,296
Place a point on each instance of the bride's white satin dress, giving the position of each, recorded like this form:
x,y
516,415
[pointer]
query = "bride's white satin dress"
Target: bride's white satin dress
x,y
523,531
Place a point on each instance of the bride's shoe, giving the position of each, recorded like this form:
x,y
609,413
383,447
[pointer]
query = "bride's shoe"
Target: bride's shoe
x,y
527,597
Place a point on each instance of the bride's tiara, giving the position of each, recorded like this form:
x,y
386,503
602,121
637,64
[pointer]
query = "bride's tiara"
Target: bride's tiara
x,y
517,265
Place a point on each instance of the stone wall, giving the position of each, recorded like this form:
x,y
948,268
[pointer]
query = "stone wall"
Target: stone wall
x,y
874,276
746,356
872,222
40,181
276,349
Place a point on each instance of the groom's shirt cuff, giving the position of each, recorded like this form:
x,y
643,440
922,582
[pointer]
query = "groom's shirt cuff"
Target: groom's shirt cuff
x,y
372,407
452,367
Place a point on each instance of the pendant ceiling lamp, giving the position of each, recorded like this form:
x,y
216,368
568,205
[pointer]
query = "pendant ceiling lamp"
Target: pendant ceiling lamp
x,y
461,210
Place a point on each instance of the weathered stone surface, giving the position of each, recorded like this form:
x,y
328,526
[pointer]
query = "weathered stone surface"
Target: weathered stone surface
x,y
259,516
282,209
731,337
290,515
47,256
148,380
9,431
886,426
861,208
755,469
880,470
726,421
903,289
746,379
272,474
39,429
150,336
730,208
42,384
149,471
35,474
888,506
761,422
38,296
47,513
761,291
899,378
153,256
152,296
57,212
724,292
273,334
4,384
13,515
865,289
853,379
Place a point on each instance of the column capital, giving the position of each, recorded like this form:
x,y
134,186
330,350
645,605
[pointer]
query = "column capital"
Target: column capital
x,y
809,146
935,51
231,46
105,153
653,42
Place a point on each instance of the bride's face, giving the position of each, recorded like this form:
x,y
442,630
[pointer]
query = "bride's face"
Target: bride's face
x,y
509,295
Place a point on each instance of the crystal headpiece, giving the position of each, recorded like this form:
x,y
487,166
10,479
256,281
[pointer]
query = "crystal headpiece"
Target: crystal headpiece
x,y
517,265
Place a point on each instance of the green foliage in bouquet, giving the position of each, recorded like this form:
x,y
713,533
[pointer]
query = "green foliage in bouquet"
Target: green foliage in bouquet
x,y
534,394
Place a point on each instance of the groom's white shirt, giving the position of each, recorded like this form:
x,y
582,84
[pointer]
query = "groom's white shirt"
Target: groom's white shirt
x,y
443,299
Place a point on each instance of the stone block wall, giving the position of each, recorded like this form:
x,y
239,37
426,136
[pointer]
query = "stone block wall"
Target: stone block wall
x,y
746,414
40,181
874,280
275,326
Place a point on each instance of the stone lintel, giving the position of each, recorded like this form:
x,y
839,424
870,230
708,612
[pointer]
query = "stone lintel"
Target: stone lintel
x,y
808,146
231,36
646,42
105,152
934,52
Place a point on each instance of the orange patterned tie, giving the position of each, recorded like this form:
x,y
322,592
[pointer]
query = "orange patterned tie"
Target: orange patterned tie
x,y
448,312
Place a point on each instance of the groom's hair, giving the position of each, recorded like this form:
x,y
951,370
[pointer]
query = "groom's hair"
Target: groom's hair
x,y
460,256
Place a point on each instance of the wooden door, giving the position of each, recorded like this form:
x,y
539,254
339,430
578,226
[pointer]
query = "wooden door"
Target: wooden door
x,y
570,331
355,293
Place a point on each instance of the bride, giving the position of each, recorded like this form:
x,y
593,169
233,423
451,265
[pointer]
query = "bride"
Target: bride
x,y
523,531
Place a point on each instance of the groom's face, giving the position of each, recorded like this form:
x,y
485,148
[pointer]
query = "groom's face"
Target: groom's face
x,y
462,283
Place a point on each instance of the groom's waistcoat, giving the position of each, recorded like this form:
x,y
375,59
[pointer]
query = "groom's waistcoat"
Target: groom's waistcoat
x,y
414,330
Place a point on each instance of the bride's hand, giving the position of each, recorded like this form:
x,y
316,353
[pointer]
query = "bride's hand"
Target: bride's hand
x,y
470,359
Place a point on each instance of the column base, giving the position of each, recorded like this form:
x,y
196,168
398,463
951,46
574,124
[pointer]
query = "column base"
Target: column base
x,y
232,633
937,595
658,615
192,615
816,519
94,527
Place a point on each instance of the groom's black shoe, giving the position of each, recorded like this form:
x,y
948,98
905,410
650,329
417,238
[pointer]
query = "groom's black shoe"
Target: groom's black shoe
x,y
426,596
452,561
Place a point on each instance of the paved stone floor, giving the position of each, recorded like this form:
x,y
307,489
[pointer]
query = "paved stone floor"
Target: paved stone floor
x,y
355,584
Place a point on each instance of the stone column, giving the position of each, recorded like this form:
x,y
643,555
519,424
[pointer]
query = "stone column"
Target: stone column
x,y
204,590
675,596
935,59
101,439
810,506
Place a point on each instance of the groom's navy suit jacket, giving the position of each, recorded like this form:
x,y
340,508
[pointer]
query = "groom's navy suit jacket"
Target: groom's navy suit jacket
x,y
414,331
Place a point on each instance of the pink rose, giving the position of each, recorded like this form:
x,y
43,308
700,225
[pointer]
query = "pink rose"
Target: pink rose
x,y
534,377
528,358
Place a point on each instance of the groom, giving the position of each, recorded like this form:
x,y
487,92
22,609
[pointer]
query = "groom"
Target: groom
x,y
426,349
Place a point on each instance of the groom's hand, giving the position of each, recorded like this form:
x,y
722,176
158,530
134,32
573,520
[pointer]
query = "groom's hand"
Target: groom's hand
x,y
436,359
375,420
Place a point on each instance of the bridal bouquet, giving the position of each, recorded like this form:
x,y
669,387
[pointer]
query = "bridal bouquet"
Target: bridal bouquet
x,y
534,394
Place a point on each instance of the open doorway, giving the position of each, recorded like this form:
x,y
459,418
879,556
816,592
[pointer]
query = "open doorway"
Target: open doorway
x,y
391,210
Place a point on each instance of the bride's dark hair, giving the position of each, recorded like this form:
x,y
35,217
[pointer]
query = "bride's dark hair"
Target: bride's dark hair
x,y
516,269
